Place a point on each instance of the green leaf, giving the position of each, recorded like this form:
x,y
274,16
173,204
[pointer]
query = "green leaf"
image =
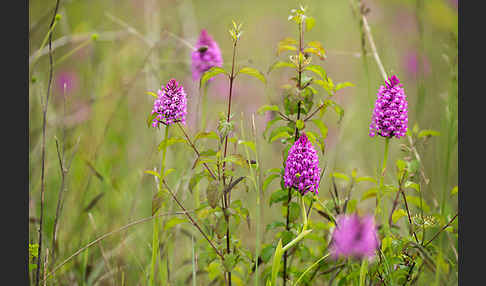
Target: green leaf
x,y
195,180
294,209
275,224
315,47
386,242
339,110
203,134
215,270
317,69
363,271
397,214
340,176
322,127
272,170
167,172
369,194
279,196
282,134
270,124
237,159
253,72
297,239
412,185
150,119
276,261
229,262
282,48
173,222
250,144
281,64
416,201
300,124
212,72
32,266
267,107
267,253
343,85
268,180
454,190
153,173
366,178
401,165
309,23
213,193
428,133
152,94
157,200
170,141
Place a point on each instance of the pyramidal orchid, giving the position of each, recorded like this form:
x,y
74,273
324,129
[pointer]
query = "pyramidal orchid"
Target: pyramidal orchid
x,y
170,105
390,116
354,236
302,166
205,56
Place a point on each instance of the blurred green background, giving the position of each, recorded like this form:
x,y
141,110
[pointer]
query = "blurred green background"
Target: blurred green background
x,y
107,107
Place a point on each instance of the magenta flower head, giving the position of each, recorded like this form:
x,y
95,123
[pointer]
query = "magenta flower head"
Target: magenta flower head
x,y
170,105
355,237
390,116
205,56
302,170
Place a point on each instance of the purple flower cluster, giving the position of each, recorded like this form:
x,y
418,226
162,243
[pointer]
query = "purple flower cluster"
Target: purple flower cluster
x,y
302,166
354,236
170,105
205,56
390,116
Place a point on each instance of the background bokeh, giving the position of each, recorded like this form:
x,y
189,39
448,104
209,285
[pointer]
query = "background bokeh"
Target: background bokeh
x,y
107,106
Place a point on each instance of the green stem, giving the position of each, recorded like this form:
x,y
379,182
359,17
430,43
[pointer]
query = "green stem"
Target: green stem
x,y
380,188
155,235
310,268
204,107
362,272
73,51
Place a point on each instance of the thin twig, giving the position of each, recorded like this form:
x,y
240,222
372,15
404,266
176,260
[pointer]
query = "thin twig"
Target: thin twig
x,y
373,47
195,150
45,265
129,28
104,36
441,230
417,156
193,221
408,214
186,43
103,254
39,252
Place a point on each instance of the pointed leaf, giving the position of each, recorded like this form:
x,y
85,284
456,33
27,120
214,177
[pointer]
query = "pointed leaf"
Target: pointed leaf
x,y
281,64
210,73
253,72
318,70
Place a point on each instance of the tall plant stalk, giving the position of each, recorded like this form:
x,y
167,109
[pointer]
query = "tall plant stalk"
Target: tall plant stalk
x,y
44,124
155,227
296,136
226,195
379,196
